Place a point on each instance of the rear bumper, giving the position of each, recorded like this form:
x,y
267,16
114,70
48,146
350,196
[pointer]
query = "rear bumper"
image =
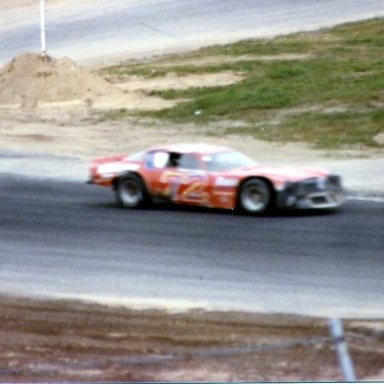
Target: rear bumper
x,y
100,181
315,193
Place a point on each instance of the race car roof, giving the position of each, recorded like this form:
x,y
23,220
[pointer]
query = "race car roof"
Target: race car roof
x,y
201,148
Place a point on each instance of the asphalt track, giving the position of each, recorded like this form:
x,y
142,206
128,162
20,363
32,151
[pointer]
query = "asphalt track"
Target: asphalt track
x,y
67,239
135,28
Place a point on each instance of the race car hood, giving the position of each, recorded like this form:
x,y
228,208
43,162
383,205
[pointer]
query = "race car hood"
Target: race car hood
x,y
281,174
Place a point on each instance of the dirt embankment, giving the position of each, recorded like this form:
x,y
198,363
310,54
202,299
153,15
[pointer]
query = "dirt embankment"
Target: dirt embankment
x,y
29,81
59,341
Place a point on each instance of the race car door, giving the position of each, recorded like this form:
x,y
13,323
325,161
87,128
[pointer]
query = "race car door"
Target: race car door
x,y
183,181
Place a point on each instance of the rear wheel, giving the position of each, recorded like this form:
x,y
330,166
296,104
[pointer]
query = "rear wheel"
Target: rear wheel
x,y
130,192
255,196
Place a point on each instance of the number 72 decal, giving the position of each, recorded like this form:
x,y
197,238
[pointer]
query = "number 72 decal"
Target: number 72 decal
x,y
182,186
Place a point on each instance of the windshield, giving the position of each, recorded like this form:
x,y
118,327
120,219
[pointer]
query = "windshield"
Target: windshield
x,y
224,161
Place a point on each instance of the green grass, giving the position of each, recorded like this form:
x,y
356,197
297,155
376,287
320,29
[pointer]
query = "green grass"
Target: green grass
x,y
342,67
113,115
324,130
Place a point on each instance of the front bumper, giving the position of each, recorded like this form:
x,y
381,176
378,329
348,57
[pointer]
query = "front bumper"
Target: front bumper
x,y
314,193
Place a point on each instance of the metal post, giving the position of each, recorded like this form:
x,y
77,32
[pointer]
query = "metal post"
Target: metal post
x,y
336,328
42,28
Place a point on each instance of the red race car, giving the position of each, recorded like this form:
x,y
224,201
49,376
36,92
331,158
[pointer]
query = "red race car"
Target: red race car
x,y
213,176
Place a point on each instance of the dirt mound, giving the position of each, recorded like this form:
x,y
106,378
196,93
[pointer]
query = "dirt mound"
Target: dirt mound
x,y
29,79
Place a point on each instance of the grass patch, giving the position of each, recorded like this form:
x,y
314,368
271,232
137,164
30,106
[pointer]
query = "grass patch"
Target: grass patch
x,y
153,71
324,130
342,66
113,115
334,130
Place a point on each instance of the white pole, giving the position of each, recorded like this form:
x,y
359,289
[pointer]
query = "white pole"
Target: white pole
x,y
42,28
345,361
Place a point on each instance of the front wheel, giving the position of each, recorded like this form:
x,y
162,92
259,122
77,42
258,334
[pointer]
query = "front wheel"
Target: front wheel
x,y
255,197
130,192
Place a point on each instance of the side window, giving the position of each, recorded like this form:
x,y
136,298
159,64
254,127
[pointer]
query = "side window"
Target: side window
x,y
174,160
162,159
189,161
156,160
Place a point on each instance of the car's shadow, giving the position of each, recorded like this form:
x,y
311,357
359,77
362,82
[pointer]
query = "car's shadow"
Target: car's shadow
x,y
168,207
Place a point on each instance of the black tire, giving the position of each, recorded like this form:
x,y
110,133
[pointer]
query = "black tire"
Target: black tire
x,y
131,192
255,197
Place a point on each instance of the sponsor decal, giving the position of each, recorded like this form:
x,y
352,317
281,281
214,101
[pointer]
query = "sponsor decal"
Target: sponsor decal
x,y
222,181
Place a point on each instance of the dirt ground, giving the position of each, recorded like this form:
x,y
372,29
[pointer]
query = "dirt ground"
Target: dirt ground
x,y
55,106
70,341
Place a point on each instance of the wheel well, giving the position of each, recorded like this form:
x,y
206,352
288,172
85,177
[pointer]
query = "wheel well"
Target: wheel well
x,y
267,181
115,181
